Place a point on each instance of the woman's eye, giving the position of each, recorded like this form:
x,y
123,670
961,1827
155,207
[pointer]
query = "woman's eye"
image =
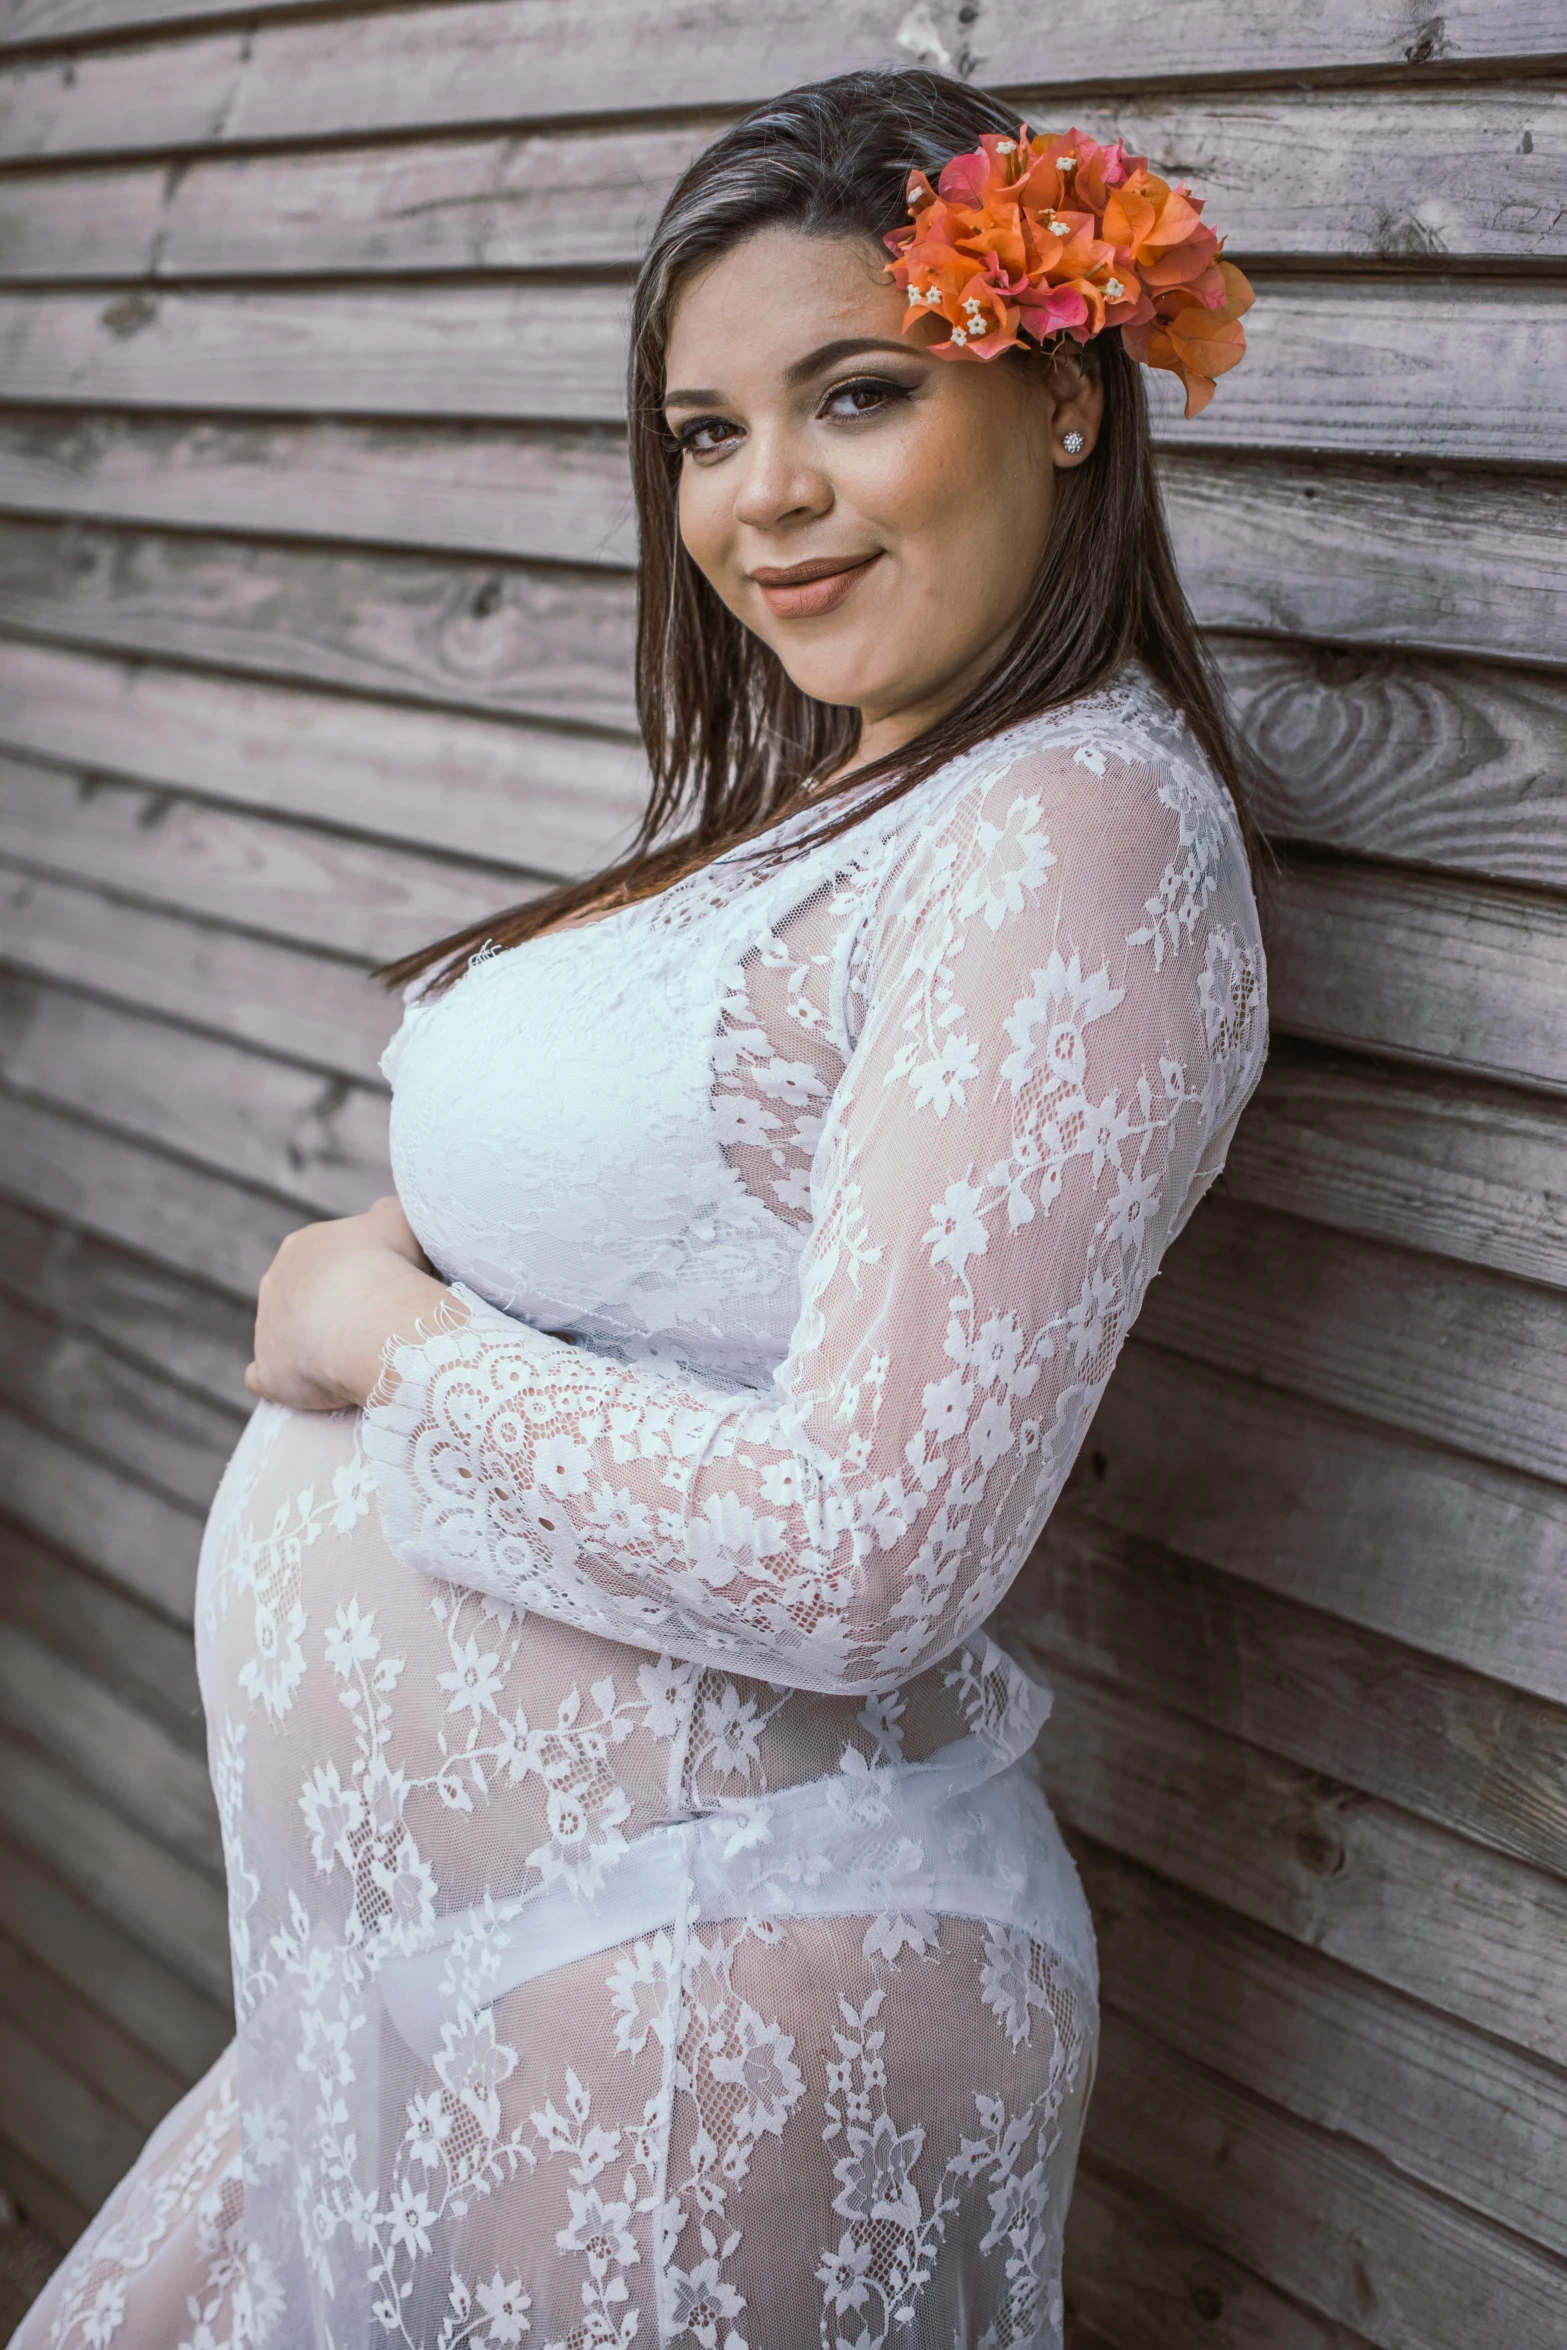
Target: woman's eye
x,y
866,396
706,437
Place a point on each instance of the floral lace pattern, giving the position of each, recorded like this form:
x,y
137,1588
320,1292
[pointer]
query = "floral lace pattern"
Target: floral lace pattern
x,y
647,1928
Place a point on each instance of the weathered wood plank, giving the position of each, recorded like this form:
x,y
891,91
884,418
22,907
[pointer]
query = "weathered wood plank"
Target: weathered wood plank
x,y
1446,763
1323,2220
1442,2105
313,1138
159,2011
317,1008
1443,1552
1147,2283
292,881
49,2207
173,1910
1470,1932
67,2128
1458,1354
129,1761
123,1529
1371,555
49,2013
1335,368
1432,1161
180,1329
503,792
91,1396
526,60
1454,1747
145,1660
553,645
557,494
1285,172
1471,977
184,1217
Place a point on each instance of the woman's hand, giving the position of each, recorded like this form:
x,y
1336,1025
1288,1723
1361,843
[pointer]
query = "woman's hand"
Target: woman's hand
x,y
329,1301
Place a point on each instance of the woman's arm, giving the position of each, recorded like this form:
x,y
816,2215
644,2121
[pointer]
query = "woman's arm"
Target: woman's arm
x,y
1044,1056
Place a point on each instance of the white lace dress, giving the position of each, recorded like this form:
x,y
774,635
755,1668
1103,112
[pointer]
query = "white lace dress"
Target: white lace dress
x,y
646,1924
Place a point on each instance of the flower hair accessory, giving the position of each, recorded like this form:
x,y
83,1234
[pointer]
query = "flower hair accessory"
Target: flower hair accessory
x,y
1057,236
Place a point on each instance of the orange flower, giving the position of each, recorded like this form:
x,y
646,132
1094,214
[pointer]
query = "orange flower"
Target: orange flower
x,y
1056,235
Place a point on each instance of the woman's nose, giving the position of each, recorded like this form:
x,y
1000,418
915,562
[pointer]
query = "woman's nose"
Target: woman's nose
x,y
778,484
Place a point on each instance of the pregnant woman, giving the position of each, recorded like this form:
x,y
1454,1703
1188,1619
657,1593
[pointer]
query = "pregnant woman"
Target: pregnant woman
x,y
647,1926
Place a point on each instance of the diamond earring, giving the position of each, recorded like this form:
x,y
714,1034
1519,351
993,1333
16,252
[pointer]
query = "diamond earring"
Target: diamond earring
x,y
1072,442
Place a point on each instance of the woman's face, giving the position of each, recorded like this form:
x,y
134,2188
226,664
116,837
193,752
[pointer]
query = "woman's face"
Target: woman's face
x,y
876,515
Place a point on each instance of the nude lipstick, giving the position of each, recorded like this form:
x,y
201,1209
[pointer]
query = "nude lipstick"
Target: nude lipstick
x,y
804,591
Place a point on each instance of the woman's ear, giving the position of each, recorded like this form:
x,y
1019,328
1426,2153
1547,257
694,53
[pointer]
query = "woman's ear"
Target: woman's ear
x,y
1078,404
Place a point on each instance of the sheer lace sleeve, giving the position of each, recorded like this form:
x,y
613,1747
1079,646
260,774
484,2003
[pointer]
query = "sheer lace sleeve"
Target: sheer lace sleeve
x,y
1060,1015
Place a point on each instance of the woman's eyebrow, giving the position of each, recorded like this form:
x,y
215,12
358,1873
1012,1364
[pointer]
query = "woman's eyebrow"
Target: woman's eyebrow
x,y
824,356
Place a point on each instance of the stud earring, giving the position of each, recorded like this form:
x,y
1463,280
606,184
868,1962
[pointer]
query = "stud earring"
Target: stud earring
x,y
1072,442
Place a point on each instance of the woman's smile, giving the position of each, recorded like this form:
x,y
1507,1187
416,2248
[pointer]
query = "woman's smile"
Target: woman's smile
x,y
804,591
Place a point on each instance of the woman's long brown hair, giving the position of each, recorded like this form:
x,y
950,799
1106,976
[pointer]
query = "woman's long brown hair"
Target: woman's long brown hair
x,y
733,745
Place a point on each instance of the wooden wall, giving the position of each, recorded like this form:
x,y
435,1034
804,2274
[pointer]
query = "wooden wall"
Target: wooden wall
x,y
314,623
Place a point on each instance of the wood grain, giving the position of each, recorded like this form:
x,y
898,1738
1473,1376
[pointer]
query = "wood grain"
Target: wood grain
x,y
1392,1533
1469,978
553,645
1147,2283
315,1008
1424,1912
365,898
315,1139
48,2012
1423,1157
1446,763
1471,2120
121,1528
525,60
524,796
66,1379
173,1910
178,1328
1456,1748
1284,170
160,2011
106,1635
182,1216
1333,368
1326,2222
1470,1360
72,2132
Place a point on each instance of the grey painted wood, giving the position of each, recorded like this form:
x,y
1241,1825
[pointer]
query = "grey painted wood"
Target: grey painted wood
x,y
1437,2103
315,1008
1469,1932
1429,1159
1444,762
129,1192
105,1635
367,899
68,2128
48,2013
159,2011
120,1527
314,1138
524,60
547,801
1334,367
173,1910
1457,1748
1144,2279
1327,2223
552,644
1470,977
1389,1531
1283,172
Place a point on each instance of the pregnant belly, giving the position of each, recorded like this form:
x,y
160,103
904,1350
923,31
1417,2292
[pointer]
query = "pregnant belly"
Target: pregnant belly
x,y
415,1744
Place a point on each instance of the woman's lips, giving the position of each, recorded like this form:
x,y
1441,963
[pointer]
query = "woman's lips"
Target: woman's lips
x,y
806,590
